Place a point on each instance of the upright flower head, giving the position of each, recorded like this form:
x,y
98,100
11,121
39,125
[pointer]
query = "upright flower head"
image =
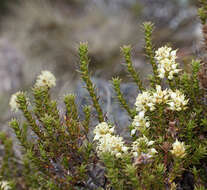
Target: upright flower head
x,y
107,141
144,102
177,101
14,105
166,53
160,96
112,144
141,146
178,149
46,78
4,185
140,121
167,66
102,129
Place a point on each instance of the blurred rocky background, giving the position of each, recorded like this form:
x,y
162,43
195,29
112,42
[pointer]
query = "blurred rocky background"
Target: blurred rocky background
x,y
40,35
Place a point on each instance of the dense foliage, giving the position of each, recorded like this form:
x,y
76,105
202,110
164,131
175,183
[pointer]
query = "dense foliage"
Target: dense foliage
x,y
168,131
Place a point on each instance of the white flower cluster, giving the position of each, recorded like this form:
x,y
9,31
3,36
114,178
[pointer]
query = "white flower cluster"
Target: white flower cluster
x,y
102,129
141,147
147,101
160,96
140,120
178,149
13,102
46,78
144,102
177,101
107,141
166,58
4,185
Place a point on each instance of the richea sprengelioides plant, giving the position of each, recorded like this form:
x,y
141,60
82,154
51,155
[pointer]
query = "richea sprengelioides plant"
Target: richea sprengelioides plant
x,y
168,130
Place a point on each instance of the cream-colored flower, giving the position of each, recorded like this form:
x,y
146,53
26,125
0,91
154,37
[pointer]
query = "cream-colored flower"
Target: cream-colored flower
x,y
178,149
144,102
112,144
141,145
167,66
108,142
148,100
140,121
102,129
14,105
165,52
177,101
46,78
4,185
133,131
152,151
145,140
160,96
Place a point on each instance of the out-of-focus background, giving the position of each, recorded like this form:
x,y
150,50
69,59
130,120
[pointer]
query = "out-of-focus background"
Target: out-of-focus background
x,y
40,35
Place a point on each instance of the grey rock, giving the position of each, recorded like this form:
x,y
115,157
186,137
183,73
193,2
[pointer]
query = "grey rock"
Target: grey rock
x,y
109,103
10,66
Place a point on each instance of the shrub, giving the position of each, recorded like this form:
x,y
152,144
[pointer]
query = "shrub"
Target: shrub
x,y
168,131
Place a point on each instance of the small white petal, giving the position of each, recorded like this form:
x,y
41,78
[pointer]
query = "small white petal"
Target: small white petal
x,y
135,154
133,131
141,114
